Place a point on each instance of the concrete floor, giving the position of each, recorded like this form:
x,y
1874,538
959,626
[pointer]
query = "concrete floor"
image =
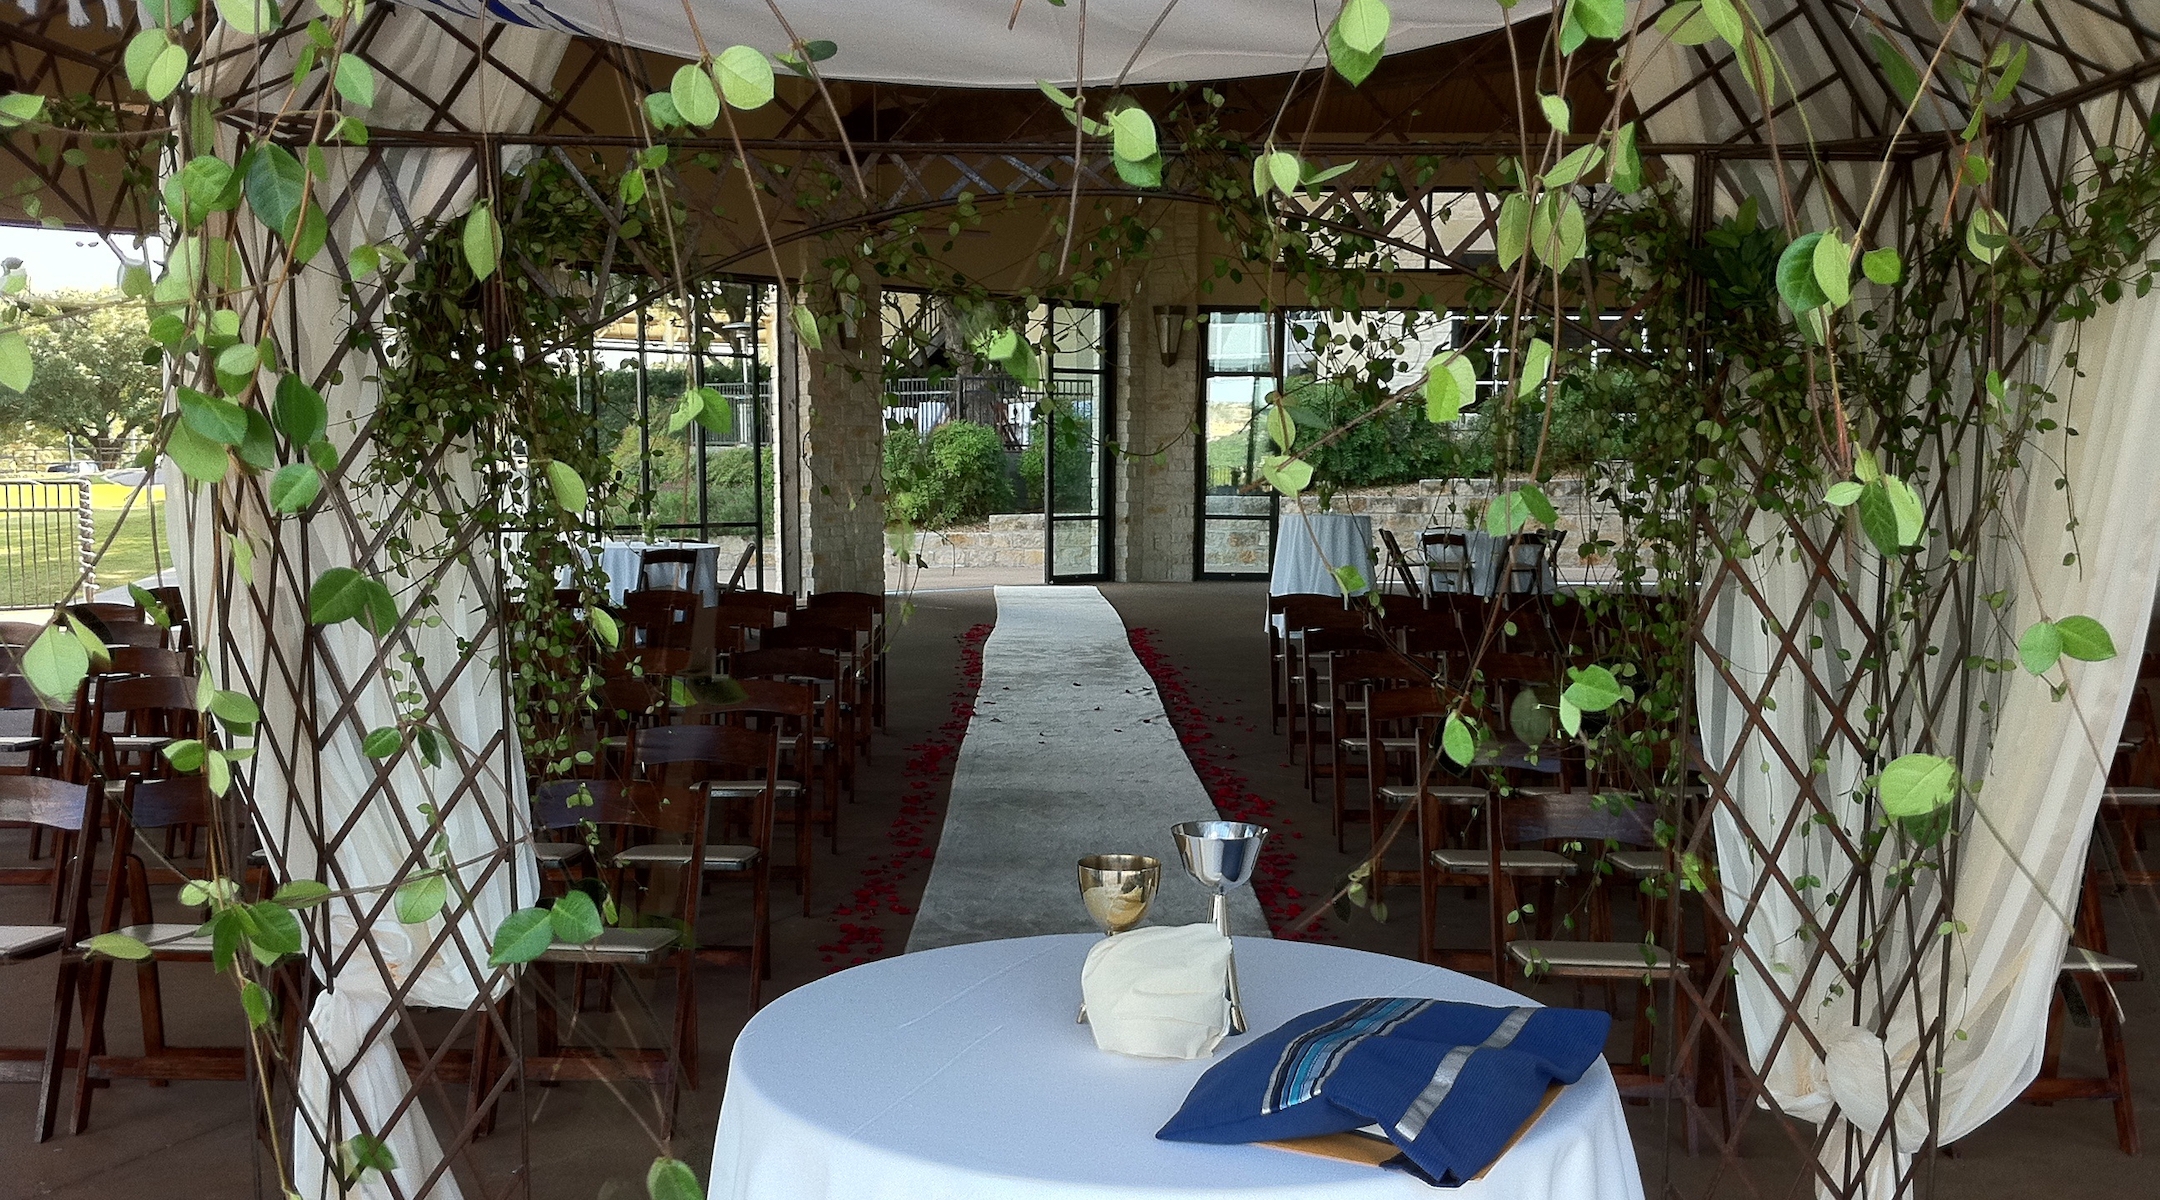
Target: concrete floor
x,y
1206,644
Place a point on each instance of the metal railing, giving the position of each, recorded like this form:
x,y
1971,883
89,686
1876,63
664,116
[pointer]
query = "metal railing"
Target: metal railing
x,y
47,543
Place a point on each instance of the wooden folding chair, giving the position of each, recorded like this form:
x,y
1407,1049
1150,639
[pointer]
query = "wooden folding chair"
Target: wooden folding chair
x,y
1596,827
2091,973
792,712
147,805
151,712
72,813
677,568
1350,674
840,720
739,770
633,814
865,613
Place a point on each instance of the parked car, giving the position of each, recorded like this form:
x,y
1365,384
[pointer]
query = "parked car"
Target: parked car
x,y
78,466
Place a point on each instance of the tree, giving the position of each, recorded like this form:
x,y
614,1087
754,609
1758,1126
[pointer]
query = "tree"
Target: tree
x,y
91,383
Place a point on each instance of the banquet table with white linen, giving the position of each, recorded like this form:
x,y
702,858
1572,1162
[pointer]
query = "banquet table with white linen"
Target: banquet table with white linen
x,y
959,1074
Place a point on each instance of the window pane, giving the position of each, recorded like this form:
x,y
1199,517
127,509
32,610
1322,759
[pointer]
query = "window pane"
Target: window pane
x,y
1238,342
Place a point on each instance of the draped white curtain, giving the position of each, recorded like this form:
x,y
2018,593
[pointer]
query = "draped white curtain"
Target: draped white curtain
x,y
2021,855
295,785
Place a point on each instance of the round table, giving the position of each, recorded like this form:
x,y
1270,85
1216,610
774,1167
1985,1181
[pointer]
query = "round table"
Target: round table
x,y
959,1073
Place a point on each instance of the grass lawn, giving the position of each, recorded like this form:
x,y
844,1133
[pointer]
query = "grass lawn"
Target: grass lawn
x,y
38,562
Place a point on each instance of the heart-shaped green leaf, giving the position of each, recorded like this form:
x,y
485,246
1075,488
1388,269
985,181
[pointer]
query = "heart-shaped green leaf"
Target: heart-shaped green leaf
x,y
568,486
745,77
575,918
294,487
522,937
421,899
2085,639
1915,785
2040,647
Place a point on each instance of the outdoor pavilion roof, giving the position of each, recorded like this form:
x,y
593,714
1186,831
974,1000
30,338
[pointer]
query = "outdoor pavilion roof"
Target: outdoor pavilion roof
x,y
1458,96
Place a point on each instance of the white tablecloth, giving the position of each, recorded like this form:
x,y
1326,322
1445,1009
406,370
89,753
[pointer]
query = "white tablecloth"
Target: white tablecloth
x,y
620,559
1304,559
959,1074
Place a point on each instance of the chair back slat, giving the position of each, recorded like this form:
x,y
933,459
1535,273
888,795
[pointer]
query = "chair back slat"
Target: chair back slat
x,y
1541,816
36,800
785,664
147,660
567,803
159,803
1305,611
142,693
1403,703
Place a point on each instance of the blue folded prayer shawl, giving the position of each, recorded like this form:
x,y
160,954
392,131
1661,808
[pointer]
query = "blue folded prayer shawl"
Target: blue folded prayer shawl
x,y
1451,1103
1449,1082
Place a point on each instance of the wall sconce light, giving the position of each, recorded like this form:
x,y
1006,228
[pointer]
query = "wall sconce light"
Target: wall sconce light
x,y
1169,331
738,334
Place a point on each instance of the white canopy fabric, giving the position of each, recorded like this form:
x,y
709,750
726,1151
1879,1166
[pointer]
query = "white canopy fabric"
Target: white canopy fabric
x,y
965,43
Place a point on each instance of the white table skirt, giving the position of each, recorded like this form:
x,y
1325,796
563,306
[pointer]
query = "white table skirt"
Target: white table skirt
x,y
1304,560
959,1074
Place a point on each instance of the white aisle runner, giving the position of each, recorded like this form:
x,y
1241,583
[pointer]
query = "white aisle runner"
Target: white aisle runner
x,y
1069,754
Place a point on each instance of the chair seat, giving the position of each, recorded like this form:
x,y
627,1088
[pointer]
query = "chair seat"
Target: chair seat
x,y
1323,707
2081,961
1512,862
1637,864
717,857
166,938
555,854
19,745
1404,793
139,743
1594,959
1388,745
616,946
22,941
745,789
2131,797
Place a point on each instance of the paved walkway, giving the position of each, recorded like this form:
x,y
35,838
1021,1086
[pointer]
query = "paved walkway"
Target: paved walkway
x,y
1068,754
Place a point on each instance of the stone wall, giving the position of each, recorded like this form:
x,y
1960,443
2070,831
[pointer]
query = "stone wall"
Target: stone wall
x,y
1016,539
1410,507
1156,404
842,465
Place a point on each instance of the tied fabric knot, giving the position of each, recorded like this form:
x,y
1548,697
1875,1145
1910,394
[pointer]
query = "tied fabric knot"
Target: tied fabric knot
x,y
1861,1075
1159,993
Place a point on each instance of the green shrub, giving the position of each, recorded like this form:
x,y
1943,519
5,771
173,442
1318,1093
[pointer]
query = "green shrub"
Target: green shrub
x,y
955,476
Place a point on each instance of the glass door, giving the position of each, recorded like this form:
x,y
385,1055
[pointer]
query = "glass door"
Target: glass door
x,y
1235,538
1074,421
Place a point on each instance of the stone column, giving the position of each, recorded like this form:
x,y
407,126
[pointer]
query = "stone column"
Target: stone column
x,y
1157,406
840,461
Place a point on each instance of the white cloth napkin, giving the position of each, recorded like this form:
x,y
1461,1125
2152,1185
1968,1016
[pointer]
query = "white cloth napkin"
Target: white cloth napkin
x,y
1159,993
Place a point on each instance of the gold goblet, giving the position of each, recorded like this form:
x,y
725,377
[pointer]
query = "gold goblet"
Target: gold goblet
x,y
1117,889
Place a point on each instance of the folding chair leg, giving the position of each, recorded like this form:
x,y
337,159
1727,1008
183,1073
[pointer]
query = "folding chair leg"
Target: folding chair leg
x,y
2102,1005
56,1040
96,986
152,998
686,1019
